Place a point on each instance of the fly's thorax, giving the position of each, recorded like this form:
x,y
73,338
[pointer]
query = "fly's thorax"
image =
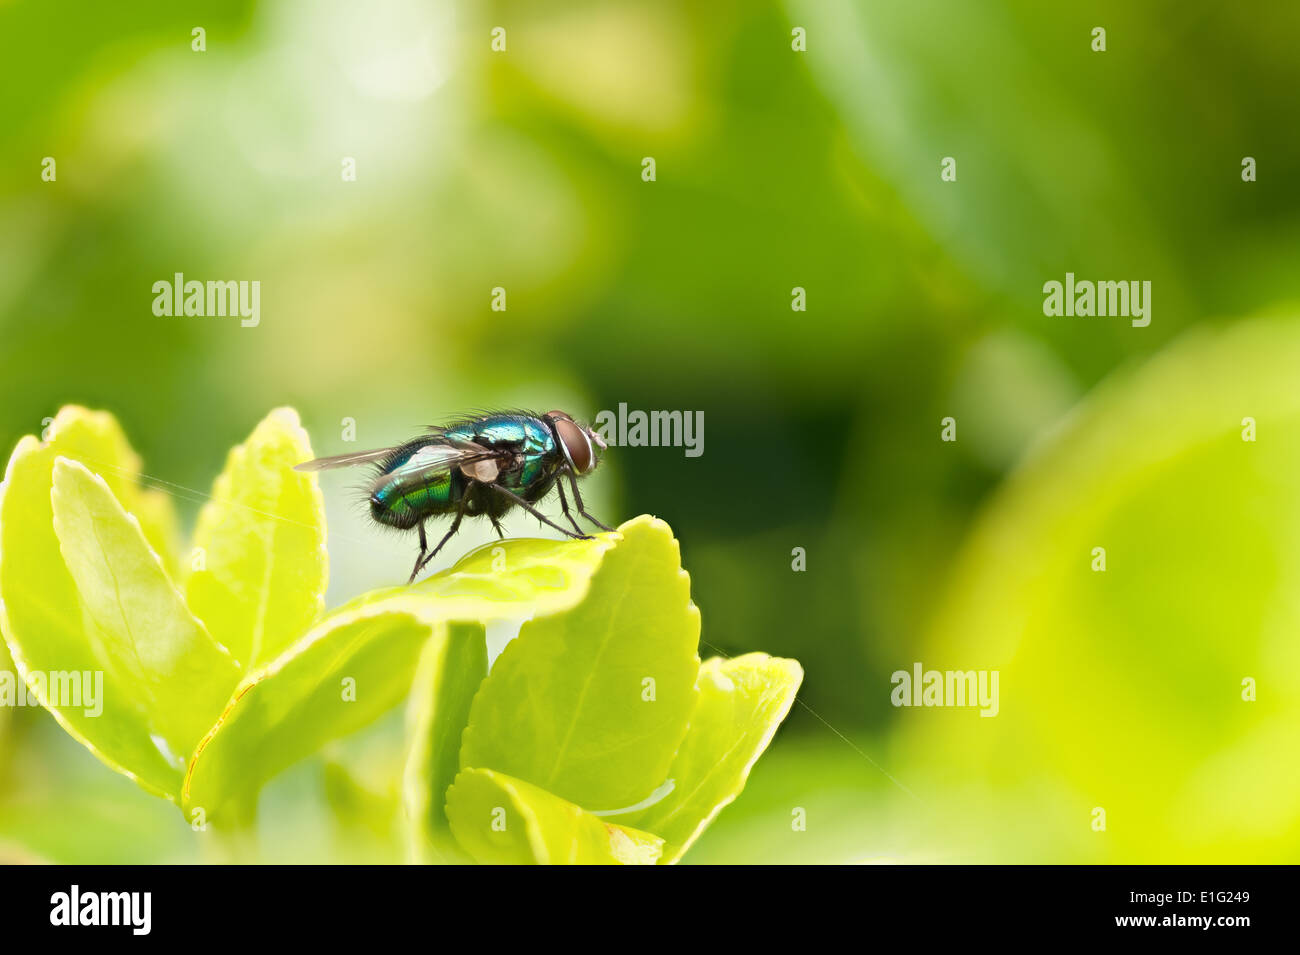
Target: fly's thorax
x,y
523,434
534,450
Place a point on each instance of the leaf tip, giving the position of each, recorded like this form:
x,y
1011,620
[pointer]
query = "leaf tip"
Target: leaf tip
x,y
286,416
67,471
26,445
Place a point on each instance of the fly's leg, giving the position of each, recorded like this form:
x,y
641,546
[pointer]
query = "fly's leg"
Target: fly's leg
x,y
564,506
455,526
535,512
495,518
577,497
419,558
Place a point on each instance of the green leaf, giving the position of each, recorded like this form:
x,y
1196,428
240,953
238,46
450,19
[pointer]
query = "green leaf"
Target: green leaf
x,y
284,710
509,580
152,650
592,702
262,535
42,617
343,674
499,819
449,674
742,702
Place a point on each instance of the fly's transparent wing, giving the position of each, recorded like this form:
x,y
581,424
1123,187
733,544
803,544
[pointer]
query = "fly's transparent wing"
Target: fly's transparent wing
x,y
345,460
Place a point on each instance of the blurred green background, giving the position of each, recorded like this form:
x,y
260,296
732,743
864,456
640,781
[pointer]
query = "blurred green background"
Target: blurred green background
x,y
775,169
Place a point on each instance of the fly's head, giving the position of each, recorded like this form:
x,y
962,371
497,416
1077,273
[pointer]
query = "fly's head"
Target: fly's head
x,y
581,445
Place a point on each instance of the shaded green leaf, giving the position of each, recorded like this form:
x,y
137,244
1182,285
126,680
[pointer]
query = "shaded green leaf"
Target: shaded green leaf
x,y
499,819
262,540
592,702
742,702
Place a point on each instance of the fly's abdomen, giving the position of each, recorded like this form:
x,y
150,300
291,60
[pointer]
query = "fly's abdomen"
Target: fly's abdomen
x,y
400,504
406,492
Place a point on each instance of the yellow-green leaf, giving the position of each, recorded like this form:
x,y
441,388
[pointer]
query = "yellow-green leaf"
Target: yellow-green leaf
x,y
742,702
284,710
514,579
341,675
260,545
152,650
448,676
503,820
591,703
41,614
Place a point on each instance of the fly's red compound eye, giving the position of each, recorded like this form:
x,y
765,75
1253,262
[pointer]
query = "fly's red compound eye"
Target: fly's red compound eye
x,y
577,446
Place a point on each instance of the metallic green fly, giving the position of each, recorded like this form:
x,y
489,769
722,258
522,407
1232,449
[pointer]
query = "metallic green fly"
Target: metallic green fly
x,y
479,467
